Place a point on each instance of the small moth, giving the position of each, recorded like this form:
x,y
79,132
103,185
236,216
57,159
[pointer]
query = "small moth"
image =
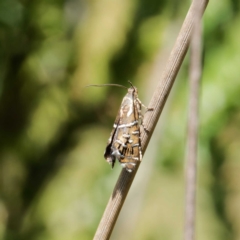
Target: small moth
x,y
124,143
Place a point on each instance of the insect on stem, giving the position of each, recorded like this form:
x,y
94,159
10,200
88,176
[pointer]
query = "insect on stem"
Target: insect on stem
x,y
124,143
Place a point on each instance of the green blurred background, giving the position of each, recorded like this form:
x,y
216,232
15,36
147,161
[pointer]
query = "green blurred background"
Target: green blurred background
x,y
54,181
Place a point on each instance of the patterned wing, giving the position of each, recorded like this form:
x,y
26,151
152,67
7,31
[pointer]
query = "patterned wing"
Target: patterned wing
x,y
111,158
124,143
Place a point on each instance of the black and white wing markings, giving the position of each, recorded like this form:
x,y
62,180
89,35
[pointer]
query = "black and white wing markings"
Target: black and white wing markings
x,y
124,143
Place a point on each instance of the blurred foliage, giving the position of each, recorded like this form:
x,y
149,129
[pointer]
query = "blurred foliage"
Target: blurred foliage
x,y
54,182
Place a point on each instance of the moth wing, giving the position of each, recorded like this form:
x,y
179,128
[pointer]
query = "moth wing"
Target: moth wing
x,y
132,152
124,142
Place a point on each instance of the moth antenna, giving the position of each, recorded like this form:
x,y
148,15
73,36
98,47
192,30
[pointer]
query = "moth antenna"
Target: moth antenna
x,y
105,85
131,84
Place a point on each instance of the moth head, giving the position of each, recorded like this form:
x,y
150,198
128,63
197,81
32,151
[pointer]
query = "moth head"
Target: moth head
x,y
132,89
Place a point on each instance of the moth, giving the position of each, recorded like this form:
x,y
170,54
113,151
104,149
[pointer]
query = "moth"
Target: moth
x,y
124,143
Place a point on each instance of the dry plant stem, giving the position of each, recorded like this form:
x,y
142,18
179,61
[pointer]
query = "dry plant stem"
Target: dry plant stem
x,y
192,136
150,120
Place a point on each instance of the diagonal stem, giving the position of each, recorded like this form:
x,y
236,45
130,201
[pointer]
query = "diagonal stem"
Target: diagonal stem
x,y
150,119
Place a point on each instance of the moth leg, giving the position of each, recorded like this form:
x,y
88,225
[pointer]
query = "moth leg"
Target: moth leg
x,y
145,128
141,118
147,108
139,106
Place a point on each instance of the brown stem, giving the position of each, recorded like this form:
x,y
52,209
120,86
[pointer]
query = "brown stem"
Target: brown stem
x,y
150,119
